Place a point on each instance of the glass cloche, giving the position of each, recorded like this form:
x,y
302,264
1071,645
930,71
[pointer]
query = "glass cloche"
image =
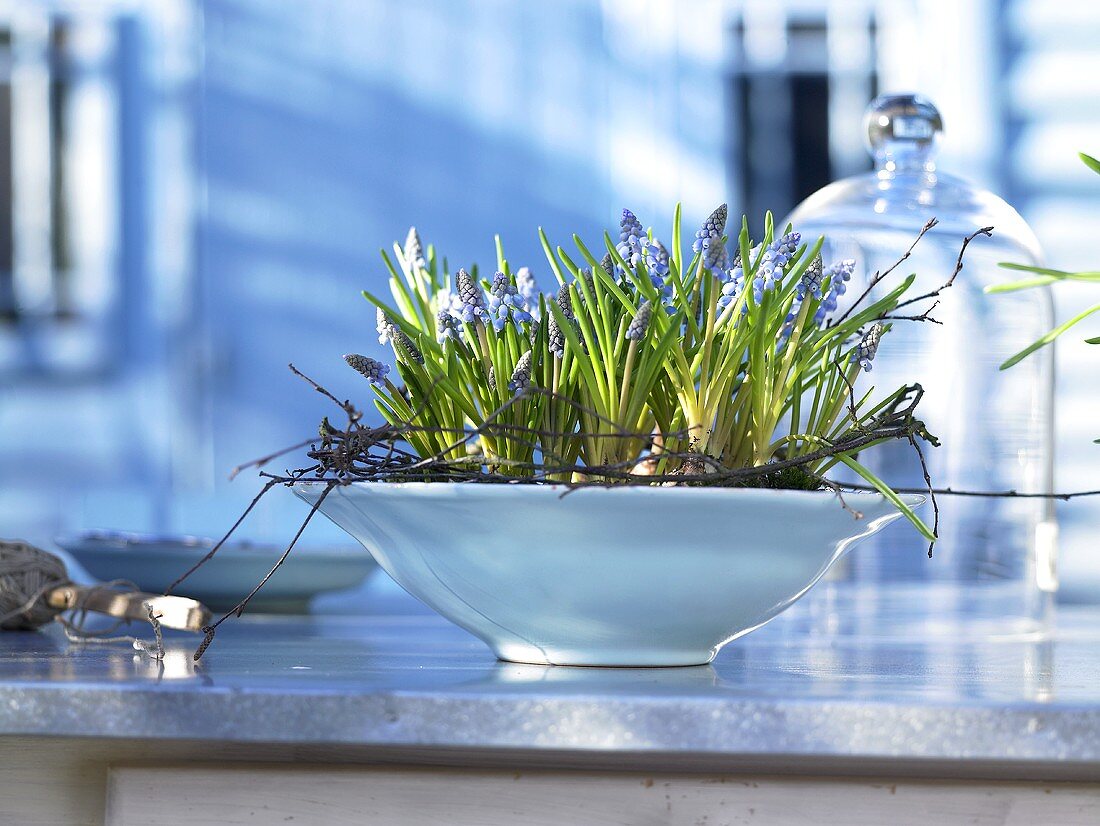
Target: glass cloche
x,y
993,571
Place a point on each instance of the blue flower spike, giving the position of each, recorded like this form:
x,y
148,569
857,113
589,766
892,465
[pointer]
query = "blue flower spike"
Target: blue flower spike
x,y
773,263
402,344
447,301
733,286
607,263
472,306
657,265
708,240
554,332
505,303
414,250
812,279
838,275
589,279
555,338
447,327
865,351
521,376
640,323
528,288
632,238
382,324
374,371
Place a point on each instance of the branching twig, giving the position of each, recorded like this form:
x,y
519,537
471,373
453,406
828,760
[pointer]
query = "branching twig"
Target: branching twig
x,y
931,492
987,232
879,276
238,609
210,554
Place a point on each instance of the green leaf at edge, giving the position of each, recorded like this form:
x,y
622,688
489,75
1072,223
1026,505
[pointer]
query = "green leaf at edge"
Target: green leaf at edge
x,y
886,491
1049,337
1090,162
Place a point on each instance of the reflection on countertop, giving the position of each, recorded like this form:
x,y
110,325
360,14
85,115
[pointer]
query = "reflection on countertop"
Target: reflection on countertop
x,y
408,678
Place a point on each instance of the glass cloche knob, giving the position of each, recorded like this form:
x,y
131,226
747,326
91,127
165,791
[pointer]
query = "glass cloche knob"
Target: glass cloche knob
x,y
902,131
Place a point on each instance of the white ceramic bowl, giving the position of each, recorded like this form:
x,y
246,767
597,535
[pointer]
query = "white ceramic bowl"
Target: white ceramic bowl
x,y
624,576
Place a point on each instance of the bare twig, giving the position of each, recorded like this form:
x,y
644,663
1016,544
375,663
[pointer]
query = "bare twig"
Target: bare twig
x,y
879,276
210,554
263,460
987,232
1059,496
238,609
931,492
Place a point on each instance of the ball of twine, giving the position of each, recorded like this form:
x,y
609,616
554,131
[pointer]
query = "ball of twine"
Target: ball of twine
x,y
26,574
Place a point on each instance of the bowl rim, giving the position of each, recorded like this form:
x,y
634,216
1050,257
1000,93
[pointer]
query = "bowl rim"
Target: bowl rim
x,y
557,490
99,542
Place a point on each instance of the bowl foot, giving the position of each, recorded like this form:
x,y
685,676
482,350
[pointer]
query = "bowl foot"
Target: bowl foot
x,y
602,657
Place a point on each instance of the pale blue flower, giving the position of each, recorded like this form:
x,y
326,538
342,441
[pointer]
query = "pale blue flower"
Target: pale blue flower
x,y
528,288
733,285
447,301
414,250
708,240
838,275
383,325
374,371
505,302
640,323
773,263
865,351
472,306
607,263
447,327
812,279
632,238
555,336
521,376
657,265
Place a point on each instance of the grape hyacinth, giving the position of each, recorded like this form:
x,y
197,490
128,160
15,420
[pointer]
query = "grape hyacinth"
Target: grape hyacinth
x,y
708,240
446,301
865,351
812,279
774,259
733,286
388,331
590,280
528,288
521,376
839,274
656,262
383,325
414,250
640,323
554,332
404,344
632,237
555,338
505,302
472,307
607,263
447,327
375,371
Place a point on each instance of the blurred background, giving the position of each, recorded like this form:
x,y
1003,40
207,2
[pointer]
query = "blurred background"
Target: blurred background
x,y
193,192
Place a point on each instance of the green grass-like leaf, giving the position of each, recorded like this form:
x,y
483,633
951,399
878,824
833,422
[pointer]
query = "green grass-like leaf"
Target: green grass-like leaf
x,y
1043,341
886,491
